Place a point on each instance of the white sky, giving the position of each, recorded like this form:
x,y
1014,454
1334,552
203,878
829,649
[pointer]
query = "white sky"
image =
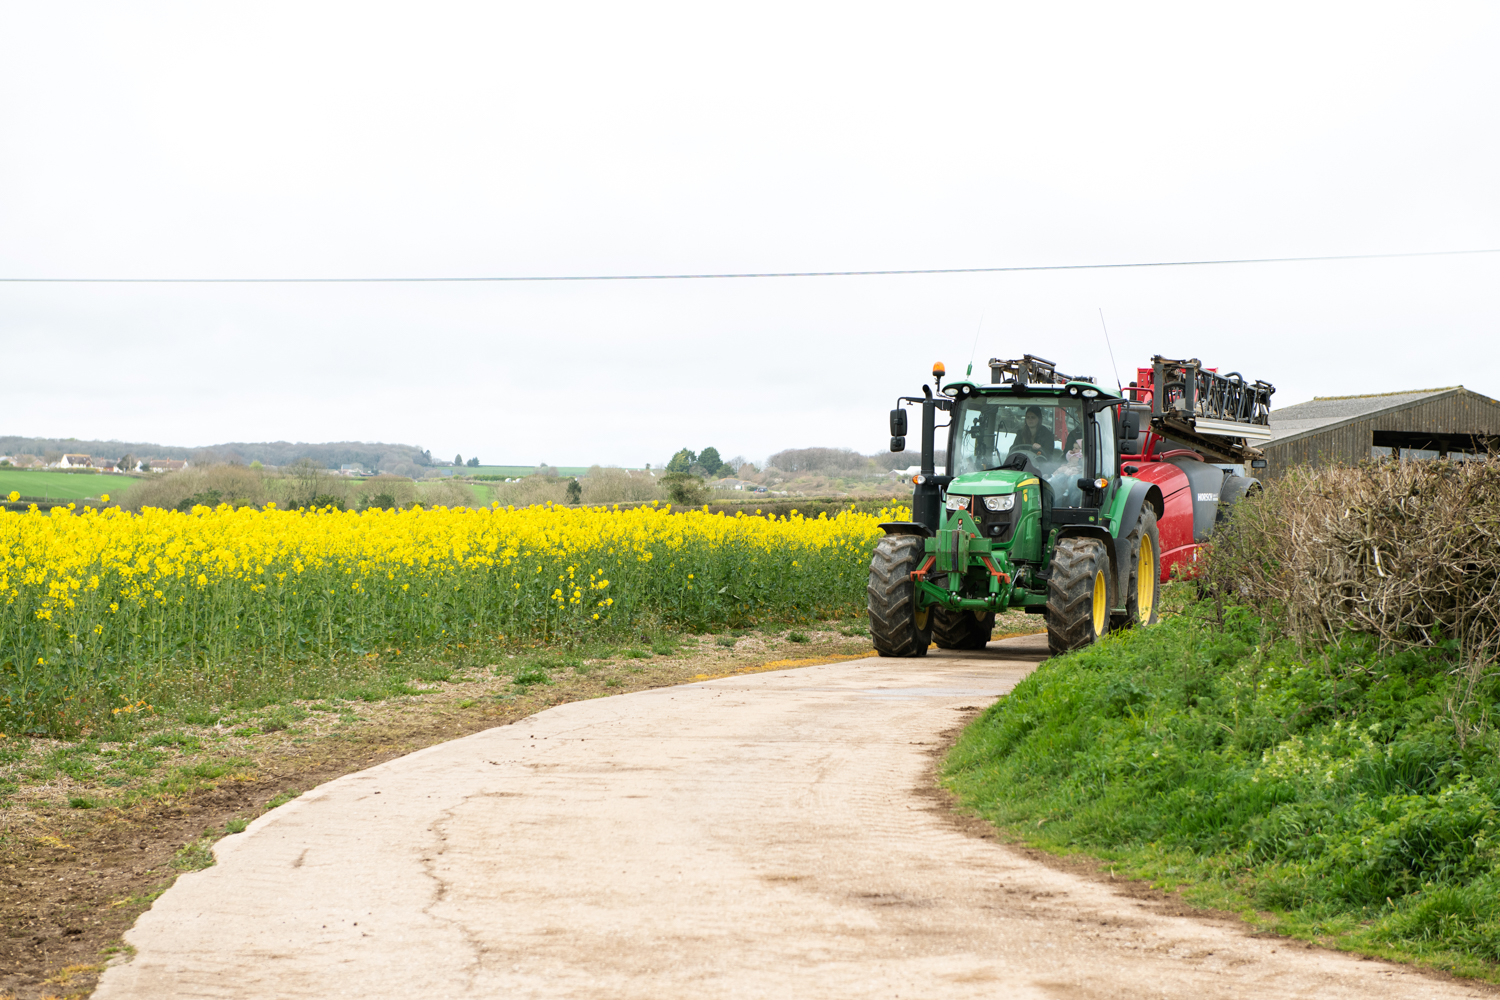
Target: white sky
x,y
424,139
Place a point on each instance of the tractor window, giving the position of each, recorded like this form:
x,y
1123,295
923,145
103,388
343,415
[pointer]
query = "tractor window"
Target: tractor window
x,y
1048,431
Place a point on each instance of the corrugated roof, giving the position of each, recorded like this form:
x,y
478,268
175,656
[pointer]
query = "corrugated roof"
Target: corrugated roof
x,y
1323,410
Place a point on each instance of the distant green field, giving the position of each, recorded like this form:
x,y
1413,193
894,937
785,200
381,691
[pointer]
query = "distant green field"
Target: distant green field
x,y
61,485
481,492
516,471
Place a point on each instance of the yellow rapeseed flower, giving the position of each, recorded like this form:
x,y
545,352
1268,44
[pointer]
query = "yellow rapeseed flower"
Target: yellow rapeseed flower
x,y
161,594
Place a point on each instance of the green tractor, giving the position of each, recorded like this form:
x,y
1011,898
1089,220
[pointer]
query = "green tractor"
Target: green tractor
x,y
1032,513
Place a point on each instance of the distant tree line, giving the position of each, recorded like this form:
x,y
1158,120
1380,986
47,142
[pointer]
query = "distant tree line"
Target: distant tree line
x,y
398,459
827,461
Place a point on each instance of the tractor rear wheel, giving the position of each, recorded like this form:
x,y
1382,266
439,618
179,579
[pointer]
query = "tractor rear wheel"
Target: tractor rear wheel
x,y
1144,546
961,629
1080,593
895,624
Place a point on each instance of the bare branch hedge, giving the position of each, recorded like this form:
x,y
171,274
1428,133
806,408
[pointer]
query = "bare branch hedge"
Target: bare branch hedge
x,y
1406,551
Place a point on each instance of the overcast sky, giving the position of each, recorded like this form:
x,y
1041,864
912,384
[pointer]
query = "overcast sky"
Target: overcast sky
x,y
275,140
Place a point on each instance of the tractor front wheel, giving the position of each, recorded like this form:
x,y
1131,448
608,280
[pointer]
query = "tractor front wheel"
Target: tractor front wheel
x,y
1080,594
895,624
961,629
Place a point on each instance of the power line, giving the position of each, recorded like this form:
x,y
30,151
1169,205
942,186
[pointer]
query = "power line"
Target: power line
x,y
725,276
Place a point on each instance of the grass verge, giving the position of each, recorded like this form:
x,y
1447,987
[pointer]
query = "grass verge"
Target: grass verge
x,y
93,830
1332,794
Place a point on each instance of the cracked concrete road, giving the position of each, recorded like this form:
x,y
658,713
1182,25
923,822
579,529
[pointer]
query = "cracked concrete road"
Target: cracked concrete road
x,y
767,835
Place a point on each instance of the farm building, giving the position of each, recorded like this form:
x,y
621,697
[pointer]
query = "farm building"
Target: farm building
x,y
1427,423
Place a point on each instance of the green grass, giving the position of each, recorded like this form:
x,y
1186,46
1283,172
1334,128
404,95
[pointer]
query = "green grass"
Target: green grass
x,y
529,675
61,485
1323,793
282,799
195,856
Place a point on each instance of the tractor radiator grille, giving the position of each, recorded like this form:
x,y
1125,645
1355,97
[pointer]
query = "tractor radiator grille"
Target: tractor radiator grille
x,y
997,526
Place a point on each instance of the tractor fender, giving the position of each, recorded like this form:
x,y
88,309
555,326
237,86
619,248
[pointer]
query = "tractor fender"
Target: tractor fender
x,y
1235,489
1206,488
906,528
1139,496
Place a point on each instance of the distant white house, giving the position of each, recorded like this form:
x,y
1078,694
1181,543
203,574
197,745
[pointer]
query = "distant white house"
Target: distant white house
x,y
732,484
352,470
906,473
75,462
163,465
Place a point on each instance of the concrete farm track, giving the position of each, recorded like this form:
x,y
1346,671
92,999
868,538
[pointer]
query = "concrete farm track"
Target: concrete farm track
x,y
766,835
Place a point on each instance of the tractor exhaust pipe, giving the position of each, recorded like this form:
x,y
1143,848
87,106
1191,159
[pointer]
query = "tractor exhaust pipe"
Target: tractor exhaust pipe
x,y
926,496
929,432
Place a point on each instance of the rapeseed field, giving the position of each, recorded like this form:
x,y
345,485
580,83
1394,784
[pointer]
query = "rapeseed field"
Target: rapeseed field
x,y
105,611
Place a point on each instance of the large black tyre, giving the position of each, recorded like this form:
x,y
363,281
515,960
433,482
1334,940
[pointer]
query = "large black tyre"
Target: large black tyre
x,y
895,625
1080,594
961,629
1144,546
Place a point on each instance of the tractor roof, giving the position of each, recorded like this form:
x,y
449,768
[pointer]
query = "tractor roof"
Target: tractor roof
x,y
963,388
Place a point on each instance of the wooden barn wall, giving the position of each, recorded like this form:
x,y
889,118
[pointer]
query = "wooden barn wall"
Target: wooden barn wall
x,y
1338,445
1461,413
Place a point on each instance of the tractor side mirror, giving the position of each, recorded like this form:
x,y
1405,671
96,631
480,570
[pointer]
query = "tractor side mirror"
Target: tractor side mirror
x,y
898,444
1130,427
1257,463
898,427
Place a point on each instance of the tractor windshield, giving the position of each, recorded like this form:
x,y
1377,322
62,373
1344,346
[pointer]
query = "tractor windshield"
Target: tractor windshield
x,y
988,430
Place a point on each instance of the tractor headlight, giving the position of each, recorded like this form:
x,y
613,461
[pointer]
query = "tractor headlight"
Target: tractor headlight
x,y
998,504
957,502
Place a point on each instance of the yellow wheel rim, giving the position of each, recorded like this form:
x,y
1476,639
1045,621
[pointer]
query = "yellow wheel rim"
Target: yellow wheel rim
x,y
1101,603
1145,580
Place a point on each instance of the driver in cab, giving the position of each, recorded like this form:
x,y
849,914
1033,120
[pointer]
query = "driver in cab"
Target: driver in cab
x,y
1033,438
